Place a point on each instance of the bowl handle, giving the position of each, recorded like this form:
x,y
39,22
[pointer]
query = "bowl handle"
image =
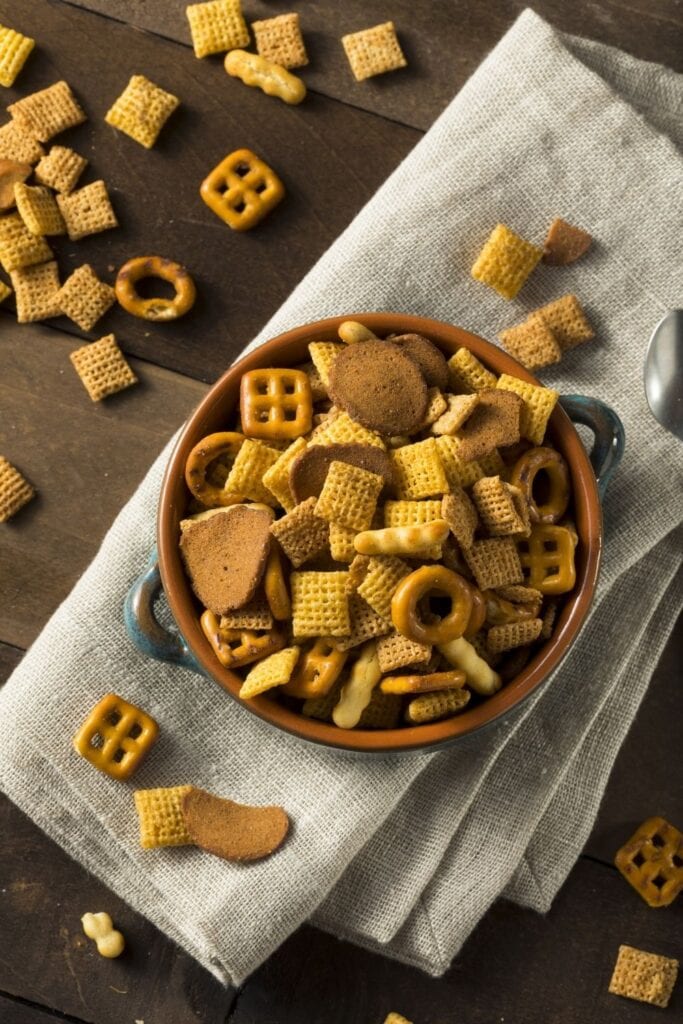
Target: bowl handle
x,y
609,437
142,626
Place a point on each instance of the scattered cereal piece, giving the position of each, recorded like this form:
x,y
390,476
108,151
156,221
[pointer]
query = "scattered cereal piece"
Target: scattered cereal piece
x,y
397,651
36,289
495,421
411,513
246,476
323,355
87,211
343,430
497,508
18,247
116,736
461,515
309,471
458,408
100,927
419,470
429,707
494,562
467,374
279,40
15,490
513,634
349,496
263,74
84,298
373,51
38,209
382,575
235,832
565,243
142,110
320,604
161,817
568,322
652,862
14,52
18,144
277,477
242,189
436,407
60,169
217,26
538,405
646,977
255,615
506,261
48,112
380,386
341,543
275,670
102,367
459,473
302,533
365,624
533,343
12,172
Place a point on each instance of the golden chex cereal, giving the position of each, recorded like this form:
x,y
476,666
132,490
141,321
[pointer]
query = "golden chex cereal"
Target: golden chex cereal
x,y
323,354
301,533
458,409
48,112
365,624
142,110
513,634
36,290
246,475
397,651
18,247
646,977
497,507
533,343
506,261
318,389
320,605
468,374
567,321
459,473
349,495
429,707
494,562
373,51
492,464
276,478
341,429
162,822
419,470
38,209
382,575
60,169
341,543
217,26
256,615
279,39
14,51
102,367
87,211
18,144
15,490
414,513
461,515
84,298
436,407
539,403
5,291
275,670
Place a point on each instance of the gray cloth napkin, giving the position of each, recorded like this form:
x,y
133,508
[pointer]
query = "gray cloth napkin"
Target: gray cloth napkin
x,y
404,855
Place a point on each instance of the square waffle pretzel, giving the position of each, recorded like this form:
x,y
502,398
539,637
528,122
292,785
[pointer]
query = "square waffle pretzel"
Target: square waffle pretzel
x,y
276,478
567,320
429,707
217,26
242,189
513,634
275,404
494,562
461,515
38,209
115,736
342,547
506,261
547,558
275,670
397,651
279,40
60,169
533,343
84,298
374,51
142,110
349,496
36,291
467,374
18,247
15,491
246,475
87,211
343,430
459,473
102,367
538,405
652,862
320,605
48,112
382,575
419,470
365,624
160,813
14,52
646,977
302,533
323,355
237,647
497,508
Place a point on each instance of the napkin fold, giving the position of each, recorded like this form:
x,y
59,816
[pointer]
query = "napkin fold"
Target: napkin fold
x,y
404,855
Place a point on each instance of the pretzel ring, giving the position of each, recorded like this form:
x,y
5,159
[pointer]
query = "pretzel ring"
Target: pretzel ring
x,y
524,475
154,309
199,460
411,590
501,612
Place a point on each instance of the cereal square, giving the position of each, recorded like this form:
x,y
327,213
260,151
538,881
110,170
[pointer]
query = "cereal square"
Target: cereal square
x,y
48,112
459,472
461,516
84,298
102,367
506,261
279,40
374,51
512,635
349,496
323,354
276,478
532,343
429,707
458,409
217,26
246,476
15,491
341,429
341,543
162,822
320,606
382,575
302,534
497,508
60,169
18,144
87,211
365,624
14,52
646,977
538,402
38,209
419,470
494,562
397,651
254,615
142,110
467,374
18,247
5,291
36,290
275,670
567,320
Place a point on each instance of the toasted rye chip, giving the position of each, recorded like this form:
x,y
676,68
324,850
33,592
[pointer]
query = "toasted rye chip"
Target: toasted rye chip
x,y
374,51
48,112
102,367
36,290
141,111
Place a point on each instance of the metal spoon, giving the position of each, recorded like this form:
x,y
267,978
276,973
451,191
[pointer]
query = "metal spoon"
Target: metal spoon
x,y
663,372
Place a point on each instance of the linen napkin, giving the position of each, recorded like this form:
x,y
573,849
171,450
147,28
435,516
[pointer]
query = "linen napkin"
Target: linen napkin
x,y
404,855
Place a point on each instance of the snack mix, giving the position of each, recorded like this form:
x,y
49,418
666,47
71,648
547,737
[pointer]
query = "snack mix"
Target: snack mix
x,y
379,535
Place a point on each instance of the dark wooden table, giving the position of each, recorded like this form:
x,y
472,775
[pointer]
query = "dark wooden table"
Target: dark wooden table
x,y
333,153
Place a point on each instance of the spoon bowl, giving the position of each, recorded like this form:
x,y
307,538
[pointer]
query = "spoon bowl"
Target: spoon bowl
x,y
663,372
